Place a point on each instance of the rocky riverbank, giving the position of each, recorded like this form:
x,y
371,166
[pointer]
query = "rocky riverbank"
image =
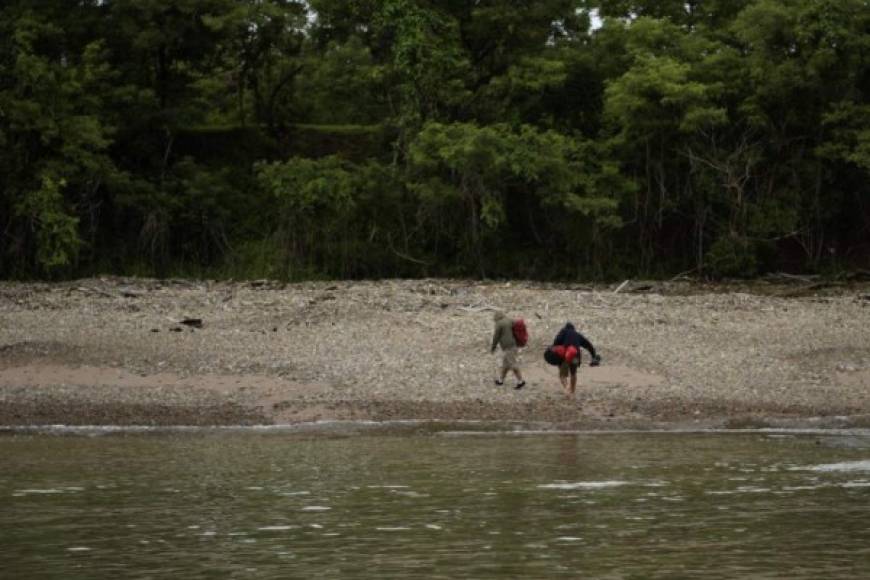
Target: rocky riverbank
x,y
163,352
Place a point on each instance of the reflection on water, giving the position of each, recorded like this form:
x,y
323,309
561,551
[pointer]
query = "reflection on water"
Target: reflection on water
x,y
247,504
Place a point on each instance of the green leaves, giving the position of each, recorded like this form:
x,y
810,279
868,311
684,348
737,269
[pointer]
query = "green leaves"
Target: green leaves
x,y
56,137
307,188
849,128
56,231
487,162
430,66
478,173
400,137
663,90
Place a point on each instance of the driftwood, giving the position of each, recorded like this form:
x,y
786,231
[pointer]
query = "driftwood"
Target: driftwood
x,y
683,276
479,308
806,290
806,279
89,290
858,275
621,286
178,282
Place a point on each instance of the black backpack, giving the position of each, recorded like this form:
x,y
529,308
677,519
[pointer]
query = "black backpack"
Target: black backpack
x,y
551,357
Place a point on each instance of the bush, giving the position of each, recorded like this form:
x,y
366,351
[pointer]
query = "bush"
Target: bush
x,y
732,256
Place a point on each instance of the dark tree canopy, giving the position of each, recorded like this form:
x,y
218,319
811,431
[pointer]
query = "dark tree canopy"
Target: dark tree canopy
x,y
361,138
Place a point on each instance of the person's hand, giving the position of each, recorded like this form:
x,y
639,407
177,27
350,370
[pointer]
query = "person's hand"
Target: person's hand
x,y
596,360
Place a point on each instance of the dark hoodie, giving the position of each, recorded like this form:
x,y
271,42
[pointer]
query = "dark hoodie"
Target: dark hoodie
x,y
569,336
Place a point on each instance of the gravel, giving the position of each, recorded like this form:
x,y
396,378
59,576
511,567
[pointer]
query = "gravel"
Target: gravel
x,y
261,352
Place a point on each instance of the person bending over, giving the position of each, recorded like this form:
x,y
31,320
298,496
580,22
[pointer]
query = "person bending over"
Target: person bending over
x,y
573,341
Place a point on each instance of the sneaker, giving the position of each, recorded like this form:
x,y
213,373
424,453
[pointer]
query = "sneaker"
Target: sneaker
x,y
498,382
520,385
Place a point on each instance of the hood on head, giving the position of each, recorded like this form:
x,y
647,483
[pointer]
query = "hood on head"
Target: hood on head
x,y
569,325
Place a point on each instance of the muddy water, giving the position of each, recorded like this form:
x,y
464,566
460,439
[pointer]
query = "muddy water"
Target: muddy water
x,y
280,504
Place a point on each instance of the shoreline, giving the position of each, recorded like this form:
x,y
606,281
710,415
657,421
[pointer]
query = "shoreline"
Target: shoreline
x,y
347,427
129,352
166,400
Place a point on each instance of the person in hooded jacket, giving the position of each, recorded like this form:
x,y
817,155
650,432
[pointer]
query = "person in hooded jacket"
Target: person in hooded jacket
x,y
503,336
572,341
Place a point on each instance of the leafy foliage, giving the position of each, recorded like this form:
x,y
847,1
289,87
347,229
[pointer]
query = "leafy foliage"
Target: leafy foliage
x,y
364,138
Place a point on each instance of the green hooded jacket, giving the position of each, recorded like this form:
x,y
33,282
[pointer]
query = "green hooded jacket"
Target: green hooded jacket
x,y
503,335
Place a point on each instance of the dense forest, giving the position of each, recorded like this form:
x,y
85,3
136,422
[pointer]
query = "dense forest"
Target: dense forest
x,y
542,139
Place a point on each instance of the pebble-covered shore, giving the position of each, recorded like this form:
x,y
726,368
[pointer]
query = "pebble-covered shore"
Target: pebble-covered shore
x,y
158,352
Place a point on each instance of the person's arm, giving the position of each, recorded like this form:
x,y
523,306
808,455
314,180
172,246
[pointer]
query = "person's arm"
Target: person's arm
x,y
584,342
496,335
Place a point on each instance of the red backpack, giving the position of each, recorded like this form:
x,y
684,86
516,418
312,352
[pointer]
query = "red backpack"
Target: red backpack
x,y
521,334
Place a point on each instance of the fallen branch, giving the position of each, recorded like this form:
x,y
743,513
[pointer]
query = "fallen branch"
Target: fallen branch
x,y
407,257
782,275
483,308
858,275
88,290
807,290
683,275
621,286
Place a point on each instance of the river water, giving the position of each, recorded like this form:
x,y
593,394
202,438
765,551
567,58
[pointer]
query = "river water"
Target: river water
x,y
436,504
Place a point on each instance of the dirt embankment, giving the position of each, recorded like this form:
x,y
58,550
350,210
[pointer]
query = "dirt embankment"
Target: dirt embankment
x,y
133,351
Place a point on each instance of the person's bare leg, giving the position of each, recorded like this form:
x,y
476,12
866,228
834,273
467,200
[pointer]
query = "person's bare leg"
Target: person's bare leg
x,y
563,378
519,375
573,383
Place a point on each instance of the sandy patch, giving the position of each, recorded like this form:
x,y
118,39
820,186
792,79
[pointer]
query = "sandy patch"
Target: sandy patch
x,y
48,374
609,375
855,379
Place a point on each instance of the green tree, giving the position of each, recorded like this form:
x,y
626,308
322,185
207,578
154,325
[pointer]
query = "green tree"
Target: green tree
x,y
474,173
55,139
